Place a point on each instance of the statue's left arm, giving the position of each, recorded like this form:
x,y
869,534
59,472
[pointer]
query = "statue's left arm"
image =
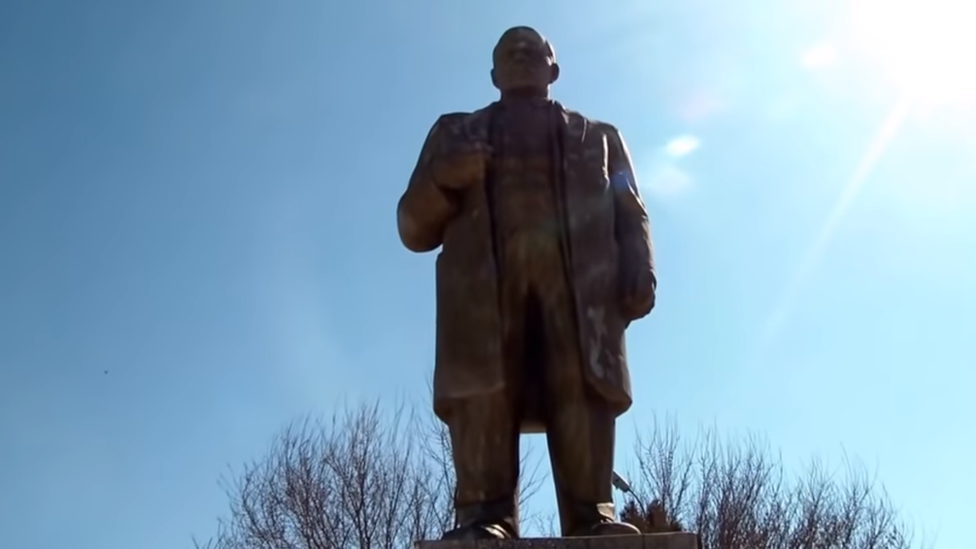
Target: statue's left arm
x,y
638,282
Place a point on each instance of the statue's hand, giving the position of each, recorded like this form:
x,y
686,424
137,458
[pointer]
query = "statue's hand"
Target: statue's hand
x,y
461,167
638,289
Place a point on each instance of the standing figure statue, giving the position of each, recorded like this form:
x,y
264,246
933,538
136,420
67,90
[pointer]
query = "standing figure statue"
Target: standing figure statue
x,y
546,260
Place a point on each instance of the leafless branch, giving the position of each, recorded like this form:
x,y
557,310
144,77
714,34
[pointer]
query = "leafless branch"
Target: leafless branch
x,y
736,495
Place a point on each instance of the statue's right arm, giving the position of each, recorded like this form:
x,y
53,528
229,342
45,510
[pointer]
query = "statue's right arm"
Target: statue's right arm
x,y
424,209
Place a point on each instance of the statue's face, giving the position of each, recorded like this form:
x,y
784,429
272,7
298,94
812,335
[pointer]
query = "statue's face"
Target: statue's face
x,y
523,62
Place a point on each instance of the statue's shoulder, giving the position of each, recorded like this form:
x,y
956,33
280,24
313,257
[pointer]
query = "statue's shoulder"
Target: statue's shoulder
x,y
605,127
459,119
452,118
592,123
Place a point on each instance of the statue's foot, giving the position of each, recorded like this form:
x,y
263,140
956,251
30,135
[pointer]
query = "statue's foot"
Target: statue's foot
x,y
608,528
476,532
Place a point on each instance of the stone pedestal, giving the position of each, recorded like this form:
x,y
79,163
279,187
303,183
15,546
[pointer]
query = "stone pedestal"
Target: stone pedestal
x,y
671,540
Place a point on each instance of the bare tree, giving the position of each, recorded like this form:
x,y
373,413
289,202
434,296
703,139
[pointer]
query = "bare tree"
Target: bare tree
x,y
363,480
736,495
368,480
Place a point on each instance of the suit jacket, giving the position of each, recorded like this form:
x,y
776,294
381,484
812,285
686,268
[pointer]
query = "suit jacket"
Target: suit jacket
x,y
605,233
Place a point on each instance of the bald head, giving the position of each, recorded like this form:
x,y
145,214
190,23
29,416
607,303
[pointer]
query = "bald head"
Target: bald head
x,y
524,63
526,35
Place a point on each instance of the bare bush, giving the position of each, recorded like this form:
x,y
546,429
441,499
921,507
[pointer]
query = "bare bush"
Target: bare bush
x,y
737,496
361,481
367,480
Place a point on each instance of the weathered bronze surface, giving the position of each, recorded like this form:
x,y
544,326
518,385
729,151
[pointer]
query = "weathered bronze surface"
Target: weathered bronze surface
x,y
546,259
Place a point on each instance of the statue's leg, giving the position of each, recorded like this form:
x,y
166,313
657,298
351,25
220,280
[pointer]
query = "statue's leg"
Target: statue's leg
x,y
485,433
580,426
484,442
580,436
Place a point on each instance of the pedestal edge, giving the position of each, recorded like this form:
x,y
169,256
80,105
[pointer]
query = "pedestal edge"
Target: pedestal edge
x,y
668,540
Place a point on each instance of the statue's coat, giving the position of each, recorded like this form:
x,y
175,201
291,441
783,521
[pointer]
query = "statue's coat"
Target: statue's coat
x,y
605,232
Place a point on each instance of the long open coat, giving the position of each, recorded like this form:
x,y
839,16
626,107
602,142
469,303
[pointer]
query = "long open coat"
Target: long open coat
x,y
605,233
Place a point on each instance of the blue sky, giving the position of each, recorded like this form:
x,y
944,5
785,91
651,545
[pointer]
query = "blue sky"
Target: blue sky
x,y
198,197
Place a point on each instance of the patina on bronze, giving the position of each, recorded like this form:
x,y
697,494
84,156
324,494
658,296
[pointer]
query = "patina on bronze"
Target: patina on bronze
x,y
546,259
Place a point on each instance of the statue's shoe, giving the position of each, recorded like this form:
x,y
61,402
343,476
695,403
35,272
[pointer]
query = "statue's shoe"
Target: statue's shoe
x,y
608,528
476,532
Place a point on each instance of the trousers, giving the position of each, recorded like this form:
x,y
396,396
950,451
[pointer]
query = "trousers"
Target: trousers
x,y
544,369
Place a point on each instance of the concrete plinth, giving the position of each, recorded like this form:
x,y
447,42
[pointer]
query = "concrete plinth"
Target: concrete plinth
x,y
671,540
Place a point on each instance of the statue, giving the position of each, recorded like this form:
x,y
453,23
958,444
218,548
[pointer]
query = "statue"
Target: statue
x,y
546,259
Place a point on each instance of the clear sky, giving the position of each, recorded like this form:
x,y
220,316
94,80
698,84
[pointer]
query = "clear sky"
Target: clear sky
x,y
198,198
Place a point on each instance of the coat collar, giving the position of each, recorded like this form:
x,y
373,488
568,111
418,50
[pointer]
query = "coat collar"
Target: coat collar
x,y
574,124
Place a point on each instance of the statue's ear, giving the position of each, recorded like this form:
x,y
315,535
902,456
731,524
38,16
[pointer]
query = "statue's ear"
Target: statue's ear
x,y
554,74
494,80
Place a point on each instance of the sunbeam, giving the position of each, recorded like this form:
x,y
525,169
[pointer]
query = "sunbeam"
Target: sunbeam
x,y
801,274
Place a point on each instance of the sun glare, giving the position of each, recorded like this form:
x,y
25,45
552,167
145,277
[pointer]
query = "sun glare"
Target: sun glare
x,y
927,47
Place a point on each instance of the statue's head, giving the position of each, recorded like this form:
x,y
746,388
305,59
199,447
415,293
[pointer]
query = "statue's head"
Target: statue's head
x,y
524,63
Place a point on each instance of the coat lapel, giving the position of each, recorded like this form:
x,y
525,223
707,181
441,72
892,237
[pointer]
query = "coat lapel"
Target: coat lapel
x,y
478,126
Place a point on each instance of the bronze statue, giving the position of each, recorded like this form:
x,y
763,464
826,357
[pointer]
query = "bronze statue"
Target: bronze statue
x,y
546,260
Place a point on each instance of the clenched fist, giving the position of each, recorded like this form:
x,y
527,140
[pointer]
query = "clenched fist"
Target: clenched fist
x,y
637,293
460,167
